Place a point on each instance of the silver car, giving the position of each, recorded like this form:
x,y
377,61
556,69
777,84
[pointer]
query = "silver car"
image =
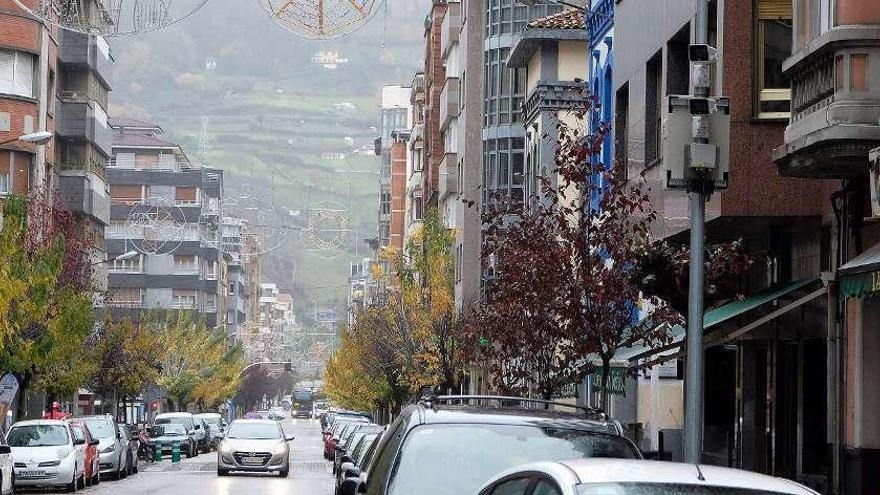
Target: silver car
x,y
111,449
45,455
255,445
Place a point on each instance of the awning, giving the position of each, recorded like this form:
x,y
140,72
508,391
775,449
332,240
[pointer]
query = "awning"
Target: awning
x,y
860,277
723,314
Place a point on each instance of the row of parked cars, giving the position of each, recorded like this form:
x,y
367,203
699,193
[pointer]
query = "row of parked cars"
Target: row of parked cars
x,y
66,453
194,433
486,445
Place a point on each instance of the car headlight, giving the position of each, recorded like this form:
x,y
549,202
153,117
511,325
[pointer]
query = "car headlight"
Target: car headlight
x,y
62,453
225,447
109,448
281,448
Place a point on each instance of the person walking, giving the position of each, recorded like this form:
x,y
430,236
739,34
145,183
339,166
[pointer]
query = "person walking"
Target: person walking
x,y
56,412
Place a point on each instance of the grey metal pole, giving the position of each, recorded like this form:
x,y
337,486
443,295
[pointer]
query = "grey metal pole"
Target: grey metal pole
x,y
693,418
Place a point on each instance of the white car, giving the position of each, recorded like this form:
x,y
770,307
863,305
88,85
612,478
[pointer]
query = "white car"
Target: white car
x,y
6,477
599,476
45,455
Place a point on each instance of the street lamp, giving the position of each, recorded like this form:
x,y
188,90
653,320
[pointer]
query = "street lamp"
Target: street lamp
x,y
41,137
122,257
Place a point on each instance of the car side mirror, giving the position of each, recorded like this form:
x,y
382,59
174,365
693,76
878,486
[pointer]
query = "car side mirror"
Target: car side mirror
x,y
94,442
345,458
79,441
5,449
290,438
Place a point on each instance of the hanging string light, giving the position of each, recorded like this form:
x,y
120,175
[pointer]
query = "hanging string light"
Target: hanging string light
x,y
112,17
321,19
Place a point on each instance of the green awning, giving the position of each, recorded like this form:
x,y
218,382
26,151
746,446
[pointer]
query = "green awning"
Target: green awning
x,y
718,316
860,277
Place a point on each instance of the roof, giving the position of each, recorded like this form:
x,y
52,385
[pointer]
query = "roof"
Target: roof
x,y
867,261
622,471
567,19
122,140
256,421
32,422
567,25
174,414
119,122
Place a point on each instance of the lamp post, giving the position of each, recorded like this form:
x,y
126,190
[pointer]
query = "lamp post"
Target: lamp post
x,y
38,138
122,257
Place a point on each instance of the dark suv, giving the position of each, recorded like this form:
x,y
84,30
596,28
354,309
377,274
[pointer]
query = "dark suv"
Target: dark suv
x,y
451,445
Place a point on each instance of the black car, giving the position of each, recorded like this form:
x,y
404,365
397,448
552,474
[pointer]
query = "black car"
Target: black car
x,y
454,444
346,444
354,464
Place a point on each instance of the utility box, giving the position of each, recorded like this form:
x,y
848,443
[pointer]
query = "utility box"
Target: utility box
x,y
685,161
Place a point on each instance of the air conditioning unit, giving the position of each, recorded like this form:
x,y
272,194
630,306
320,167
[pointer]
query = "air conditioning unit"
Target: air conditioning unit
x,y
874,169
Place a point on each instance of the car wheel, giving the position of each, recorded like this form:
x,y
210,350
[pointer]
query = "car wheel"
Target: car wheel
x,y
222,472
73,485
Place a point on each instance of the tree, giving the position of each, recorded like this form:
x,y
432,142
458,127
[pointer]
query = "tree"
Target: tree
x,y
129,358
561,294
46,313
347,383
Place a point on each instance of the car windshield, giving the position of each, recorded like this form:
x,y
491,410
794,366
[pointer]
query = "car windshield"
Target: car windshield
x,y
459,458
253,431
168,430
186,421
211,420
37,436
664,489
101,428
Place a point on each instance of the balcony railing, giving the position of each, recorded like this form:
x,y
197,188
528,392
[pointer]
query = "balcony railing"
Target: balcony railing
x,y
450,100
554,96
164,166
812,88
600,21
448,175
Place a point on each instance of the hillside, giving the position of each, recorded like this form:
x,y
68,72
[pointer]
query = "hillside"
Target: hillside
x,y
244,95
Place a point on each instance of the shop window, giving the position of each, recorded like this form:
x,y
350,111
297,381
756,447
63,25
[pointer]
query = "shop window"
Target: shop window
x,y
774,38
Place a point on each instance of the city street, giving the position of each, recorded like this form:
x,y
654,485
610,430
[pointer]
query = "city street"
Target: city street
x,y
309,473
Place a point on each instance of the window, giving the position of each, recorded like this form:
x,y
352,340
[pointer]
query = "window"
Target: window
x,y
856,12
183,298
459,262
211,269
858,72
385,203
231,288
545,487
17,73
123,297
517,486
119,229
653,113
774,38
621,129
51,93
127,195
186,195
417,208
184,263
4,182
211,302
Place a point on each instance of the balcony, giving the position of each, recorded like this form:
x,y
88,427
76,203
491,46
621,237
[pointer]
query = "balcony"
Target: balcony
x,y
450,101
554,96
450,27
81,120
835,105
86,193
86,50
448,175
600,22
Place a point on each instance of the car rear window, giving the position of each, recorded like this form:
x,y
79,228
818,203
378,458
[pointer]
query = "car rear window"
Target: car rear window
x,y
101,428
187,422
665,489
459,458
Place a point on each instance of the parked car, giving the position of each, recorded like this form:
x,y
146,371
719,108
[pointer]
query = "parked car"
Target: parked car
x,y
84,441
454,444
7,476
186,419
354,464
254,445
44,455
204,439
131,444
164,436
111,449
278,412
629,477
347,443
216,426
331,436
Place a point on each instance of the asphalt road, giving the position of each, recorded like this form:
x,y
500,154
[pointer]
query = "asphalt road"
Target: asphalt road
x,y
309,473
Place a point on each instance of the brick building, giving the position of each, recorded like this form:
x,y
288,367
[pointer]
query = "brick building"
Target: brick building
x,y
435,81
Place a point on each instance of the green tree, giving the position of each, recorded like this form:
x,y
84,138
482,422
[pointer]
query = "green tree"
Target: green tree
x,y
46,312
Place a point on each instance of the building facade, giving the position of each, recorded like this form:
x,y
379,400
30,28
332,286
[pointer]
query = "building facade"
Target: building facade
x,y
167,210
393,116
834,124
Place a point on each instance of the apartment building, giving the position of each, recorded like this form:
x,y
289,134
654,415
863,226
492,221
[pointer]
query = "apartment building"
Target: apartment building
x,y
833,78
167,210
394,113
238,289
765,375
415,164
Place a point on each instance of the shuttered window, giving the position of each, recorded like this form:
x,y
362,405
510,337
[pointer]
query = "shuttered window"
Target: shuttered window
x,y
774,38
185,195
126,194
17,73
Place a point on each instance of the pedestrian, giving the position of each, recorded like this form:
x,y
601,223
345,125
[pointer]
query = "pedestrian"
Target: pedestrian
x,y
56,412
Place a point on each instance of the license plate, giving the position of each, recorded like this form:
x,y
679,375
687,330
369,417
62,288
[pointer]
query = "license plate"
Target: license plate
x,y
252,460
31,474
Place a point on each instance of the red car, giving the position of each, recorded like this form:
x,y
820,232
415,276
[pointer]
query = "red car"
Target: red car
x,y
82,434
